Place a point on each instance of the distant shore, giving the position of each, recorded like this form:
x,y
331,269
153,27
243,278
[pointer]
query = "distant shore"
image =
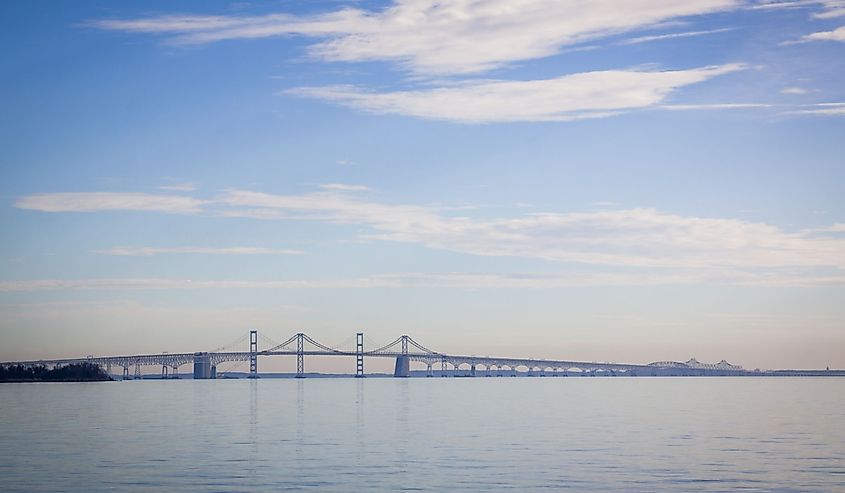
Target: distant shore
x,y
76,372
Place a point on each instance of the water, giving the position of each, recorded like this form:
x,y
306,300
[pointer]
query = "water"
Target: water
x,y
482,434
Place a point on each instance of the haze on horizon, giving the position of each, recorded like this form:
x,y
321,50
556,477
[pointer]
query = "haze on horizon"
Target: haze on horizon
x,y
651,181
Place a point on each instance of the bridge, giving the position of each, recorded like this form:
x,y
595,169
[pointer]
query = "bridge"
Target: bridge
x,y
404,350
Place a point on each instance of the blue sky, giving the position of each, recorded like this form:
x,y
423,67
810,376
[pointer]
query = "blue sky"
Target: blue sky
x,y
649,181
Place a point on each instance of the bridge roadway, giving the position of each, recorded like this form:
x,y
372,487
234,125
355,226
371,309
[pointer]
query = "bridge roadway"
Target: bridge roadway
x,y
205,363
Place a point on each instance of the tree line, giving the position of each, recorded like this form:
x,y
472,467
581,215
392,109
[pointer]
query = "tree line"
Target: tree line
x,y
74,372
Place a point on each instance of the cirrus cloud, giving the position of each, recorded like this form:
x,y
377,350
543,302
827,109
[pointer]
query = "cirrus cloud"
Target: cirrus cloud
x,y
150,251
639,238
109,201
571,97
434,37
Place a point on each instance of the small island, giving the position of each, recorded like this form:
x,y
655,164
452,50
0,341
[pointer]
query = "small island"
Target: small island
x,y
74,372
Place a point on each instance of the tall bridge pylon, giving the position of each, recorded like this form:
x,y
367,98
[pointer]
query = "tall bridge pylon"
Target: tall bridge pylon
x,y
253,354
359,355
300,355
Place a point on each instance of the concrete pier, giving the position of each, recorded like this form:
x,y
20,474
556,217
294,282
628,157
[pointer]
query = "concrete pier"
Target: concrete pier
x,y
202,366
403,367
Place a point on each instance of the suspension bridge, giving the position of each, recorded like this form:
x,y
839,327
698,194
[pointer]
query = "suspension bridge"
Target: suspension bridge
x,y
404,350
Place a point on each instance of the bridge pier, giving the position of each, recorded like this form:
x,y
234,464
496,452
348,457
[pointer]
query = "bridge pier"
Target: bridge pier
x,y
472,370
126,373
403,367
429,372
137,371
202,366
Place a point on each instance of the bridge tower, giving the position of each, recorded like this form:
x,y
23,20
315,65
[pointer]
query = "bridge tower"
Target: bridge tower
x,y
253,354
137,370
403,362
359,355
300,355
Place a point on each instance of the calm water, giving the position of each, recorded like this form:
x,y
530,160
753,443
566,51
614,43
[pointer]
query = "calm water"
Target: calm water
x,y
482,434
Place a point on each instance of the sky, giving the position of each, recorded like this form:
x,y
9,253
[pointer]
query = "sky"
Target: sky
x,y
630,181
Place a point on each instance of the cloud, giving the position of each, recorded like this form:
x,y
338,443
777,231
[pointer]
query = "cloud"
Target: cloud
x,y
793,90
150,251
180,187
629,238
571,97
832,9
715,106
837,34
345,188
109,201
448,280
639,238
435,37
836,228
822,109
661,37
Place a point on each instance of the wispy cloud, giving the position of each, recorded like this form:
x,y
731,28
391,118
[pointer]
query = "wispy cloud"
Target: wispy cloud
x,y
822,109
794,90
342,187
629,238
837,34
715,106
109,201
661,37
180,187
571,97
448,280
829,8
781,4
150,251
435,37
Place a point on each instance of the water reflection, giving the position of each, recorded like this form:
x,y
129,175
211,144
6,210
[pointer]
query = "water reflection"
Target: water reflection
x,y
360,428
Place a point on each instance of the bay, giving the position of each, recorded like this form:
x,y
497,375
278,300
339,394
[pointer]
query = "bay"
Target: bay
x,y
418,434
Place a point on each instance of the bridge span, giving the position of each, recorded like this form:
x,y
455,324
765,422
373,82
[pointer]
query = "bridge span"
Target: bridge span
x,y
404,349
